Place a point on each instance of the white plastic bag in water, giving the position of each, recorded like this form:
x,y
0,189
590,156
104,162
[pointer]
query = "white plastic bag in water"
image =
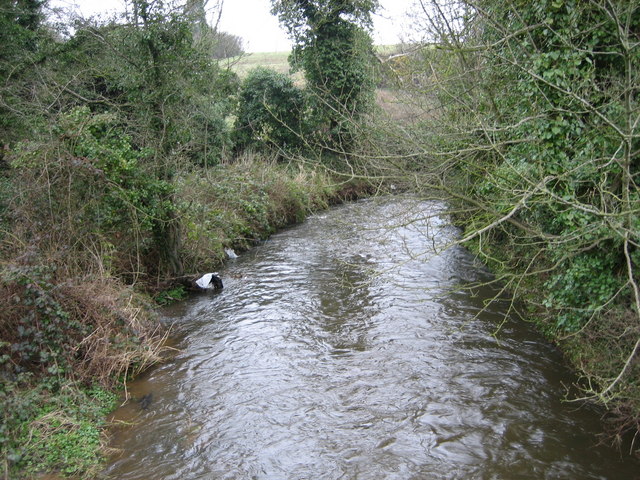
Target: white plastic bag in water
x,y
205,280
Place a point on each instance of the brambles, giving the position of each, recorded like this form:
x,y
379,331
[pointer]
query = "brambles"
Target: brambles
x,y
91,169
87,330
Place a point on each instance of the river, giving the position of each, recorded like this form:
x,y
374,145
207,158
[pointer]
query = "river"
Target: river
x,y
343,348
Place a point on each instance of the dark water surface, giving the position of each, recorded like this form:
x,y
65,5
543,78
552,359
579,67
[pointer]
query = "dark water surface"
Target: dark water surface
x,y
339,349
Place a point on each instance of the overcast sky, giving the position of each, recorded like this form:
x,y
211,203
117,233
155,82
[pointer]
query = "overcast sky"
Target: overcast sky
x,y
251,20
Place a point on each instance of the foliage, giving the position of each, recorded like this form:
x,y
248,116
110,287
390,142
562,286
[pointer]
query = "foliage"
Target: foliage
x,y
49,431
153,72
333,48
37,331
171,295
578,147
538,134
171,93
58,337
270,111
87,331
23,42
20,22
90,169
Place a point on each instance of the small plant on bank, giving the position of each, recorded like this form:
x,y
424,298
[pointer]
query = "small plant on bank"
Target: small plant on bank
x,y
171,295
49,430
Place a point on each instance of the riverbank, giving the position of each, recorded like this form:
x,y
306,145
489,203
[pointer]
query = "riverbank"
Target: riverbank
x,y
601,354
601,351
71,341
342,345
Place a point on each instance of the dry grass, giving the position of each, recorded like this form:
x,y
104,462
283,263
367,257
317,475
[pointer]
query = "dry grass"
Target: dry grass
x,y
124,339
398,106
110,332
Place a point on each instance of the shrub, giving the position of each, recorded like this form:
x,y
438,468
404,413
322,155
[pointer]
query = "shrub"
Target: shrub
x,y
84,199
270,111
88,330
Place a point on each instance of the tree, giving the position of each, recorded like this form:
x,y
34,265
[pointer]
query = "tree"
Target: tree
x,y
22,41
226,45
169,96
333,48
20,21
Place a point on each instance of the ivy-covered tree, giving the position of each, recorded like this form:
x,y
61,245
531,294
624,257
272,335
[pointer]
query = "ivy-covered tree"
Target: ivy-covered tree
x,y
164,85
22,38
147,70
333,48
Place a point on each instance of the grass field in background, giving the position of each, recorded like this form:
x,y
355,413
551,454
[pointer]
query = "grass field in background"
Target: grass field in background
x,y
387,99
279,61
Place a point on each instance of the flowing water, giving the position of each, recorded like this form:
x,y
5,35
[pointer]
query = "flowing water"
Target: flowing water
x,y
341,349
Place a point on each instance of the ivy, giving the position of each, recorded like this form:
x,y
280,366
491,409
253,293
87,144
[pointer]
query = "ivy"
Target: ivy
x,y
333,48
44,333
270,111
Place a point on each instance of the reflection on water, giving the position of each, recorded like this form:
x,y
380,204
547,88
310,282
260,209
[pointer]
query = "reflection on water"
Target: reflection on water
x,y
340,349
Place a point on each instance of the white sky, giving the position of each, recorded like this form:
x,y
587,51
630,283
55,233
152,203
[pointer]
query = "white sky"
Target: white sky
x,y
251,20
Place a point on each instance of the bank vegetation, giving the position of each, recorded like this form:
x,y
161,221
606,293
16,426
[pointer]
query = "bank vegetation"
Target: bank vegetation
x,y
525,117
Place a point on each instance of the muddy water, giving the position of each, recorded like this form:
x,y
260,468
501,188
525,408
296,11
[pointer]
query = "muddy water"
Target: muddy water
x,y
341,349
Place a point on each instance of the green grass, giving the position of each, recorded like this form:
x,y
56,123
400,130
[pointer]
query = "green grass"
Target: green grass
x,y
53,432
279,61
387,50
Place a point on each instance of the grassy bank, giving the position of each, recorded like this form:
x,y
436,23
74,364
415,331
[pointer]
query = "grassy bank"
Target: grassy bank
x,y
234,205
71,341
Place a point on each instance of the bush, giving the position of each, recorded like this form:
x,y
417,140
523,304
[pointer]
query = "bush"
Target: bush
x,y
87,330
270,111
84,199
